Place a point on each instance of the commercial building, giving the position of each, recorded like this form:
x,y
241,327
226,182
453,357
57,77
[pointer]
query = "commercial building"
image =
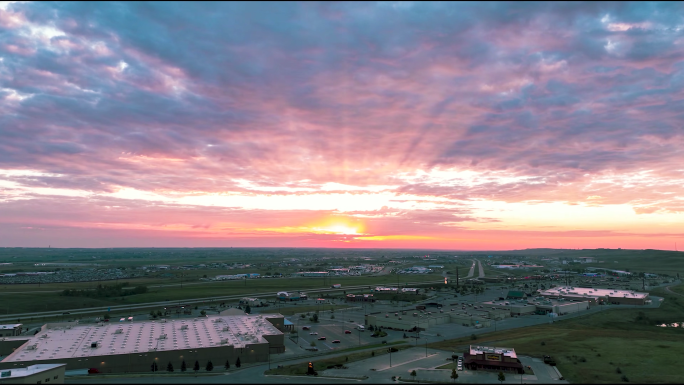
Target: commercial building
x,y
10,330
34,374
136,346
597,296
492,358
360,298
285,296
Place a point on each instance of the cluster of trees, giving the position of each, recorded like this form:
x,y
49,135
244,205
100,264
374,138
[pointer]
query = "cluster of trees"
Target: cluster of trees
x,y
105,291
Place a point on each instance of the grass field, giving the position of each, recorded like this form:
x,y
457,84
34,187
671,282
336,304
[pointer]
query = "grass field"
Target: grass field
x,y
34,299
322,364
590,349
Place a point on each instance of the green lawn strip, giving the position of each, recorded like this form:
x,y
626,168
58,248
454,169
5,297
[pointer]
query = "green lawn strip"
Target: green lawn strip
x,y
322,364
451,365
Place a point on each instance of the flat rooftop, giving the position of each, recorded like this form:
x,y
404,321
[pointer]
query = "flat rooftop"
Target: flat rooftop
x,y
144,336
29,370
508,352
593,292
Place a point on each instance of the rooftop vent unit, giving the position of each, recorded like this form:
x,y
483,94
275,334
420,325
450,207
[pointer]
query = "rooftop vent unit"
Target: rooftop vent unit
x,y
32,347
118,331
226,328
94,345
162,337
224,341
184,327
44,336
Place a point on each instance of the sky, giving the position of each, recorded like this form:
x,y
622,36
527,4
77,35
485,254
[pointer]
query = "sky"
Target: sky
x,y
461,126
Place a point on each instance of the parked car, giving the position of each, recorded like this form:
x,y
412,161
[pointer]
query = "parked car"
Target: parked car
x,y
321,338
336,342
306,328
347,332
313,333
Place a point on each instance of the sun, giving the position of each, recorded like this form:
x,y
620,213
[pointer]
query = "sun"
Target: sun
x,y
341,226
338,229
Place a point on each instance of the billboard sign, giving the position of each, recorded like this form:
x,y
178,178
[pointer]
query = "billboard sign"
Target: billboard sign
x,y
7,373
493,357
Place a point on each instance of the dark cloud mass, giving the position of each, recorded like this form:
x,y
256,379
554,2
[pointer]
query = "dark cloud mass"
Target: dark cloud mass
x,y
201,96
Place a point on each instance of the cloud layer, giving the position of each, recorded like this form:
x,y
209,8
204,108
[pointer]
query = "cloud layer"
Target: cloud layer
x,y
436,122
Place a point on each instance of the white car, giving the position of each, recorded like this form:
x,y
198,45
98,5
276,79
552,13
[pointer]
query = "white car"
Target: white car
x,y
313,333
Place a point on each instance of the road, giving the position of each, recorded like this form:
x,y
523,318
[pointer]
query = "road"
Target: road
x,y
481,270
101,309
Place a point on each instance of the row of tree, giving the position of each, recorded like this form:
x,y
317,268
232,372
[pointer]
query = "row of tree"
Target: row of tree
x,y
105,291
209,367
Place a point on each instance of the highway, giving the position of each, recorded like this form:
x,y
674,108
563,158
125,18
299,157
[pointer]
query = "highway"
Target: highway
x,y
101,309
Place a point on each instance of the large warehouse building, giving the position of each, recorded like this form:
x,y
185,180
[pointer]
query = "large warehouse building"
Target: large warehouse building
x,y
136,346
597,296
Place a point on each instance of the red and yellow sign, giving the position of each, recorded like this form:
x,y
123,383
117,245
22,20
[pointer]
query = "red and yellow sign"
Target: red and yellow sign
x,y
493,357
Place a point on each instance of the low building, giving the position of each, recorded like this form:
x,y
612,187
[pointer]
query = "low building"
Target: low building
x,y
10,330
135,346
596,296
360,298
492,358
285,296
410,290
514,294
34,374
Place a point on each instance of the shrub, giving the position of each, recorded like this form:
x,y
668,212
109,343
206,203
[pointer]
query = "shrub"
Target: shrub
x,y
624,378
543,343
473,337
618,370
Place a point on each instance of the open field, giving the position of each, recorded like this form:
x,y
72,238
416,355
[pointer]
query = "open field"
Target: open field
x,y
322,364
43,300
591,349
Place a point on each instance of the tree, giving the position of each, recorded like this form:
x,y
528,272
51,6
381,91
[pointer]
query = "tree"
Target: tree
x,y
314,318
169,367
313,343
183,366
203,313
372,354
502,377
332,316
106,316
248,309
454,375
237,363
210,366
153,314
154,367
196,367
227,365
413,373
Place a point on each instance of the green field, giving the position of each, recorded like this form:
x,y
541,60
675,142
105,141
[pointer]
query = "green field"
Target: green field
x,y
590,349
29,298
